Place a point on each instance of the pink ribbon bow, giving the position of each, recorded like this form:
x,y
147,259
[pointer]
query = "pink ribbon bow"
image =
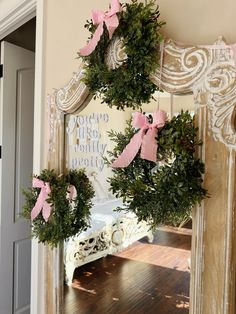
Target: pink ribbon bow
x,y
144,138
41,203
99,18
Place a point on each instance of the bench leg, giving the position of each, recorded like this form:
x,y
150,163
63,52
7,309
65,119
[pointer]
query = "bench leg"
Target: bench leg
x,y
69,269
150,237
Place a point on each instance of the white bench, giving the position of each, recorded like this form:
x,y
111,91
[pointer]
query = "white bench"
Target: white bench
x,y
110,232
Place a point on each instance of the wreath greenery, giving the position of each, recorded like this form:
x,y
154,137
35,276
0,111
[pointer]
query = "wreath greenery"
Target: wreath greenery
x,y
128,85
161,193
68,216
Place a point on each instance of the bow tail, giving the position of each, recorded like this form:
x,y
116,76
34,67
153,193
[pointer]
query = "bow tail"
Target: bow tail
x,y
111,24
149,146
91,45
115,6
130,151
37,207
46,210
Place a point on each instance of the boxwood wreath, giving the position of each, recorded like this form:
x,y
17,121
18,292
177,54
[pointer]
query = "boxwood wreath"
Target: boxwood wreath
x,y
127,85
69,214
165,192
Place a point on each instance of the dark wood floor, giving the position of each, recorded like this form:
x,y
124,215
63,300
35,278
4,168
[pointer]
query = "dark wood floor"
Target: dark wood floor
x,y
145,278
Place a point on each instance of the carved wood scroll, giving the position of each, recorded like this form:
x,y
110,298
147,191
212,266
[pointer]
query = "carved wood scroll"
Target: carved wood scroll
x,y
209,73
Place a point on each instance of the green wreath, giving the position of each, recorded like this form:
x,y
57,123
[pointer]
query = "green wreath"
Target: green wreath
x,y
128,85
162,193
69,215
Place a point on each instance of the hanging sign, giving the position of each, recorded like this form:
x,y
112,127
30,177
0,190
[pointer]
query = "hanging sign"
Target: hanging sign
x,y
87,140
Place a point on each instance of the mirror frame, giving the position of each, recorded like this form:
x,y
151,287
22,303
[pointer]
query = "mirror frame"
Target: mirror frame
x,y
209,73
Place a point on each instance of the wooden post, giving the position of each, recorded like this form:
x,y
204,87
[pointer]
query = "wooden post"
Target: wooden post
x,y
209,73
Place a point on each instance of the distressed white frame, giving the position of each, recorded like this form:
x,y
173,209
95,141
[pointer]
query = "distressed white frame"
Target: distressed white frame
x,y
209,73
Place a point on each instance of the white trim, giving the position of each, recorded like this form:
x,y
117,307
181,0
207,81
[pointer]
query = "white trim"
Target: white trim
x,y
17,16
37,256
37,279
10,22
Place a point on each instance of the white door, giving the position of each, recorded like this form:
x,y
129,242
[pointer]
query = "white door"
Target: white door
x,y
16,140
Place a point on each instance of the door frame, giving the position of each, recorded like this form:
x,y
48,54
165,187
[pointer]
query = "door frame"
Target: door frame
x,y
12,19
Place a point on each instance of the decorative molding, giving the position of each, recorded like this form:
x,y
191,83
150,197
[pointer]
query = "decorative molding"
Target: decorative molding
x,y
210,74
74,96
71,98
220,87
17,16
203,69
56,129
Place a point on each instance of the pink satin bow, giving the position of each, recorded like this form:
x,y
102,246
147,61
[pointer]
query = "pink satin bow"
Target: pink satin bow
x,y
144,139
41,203
99,18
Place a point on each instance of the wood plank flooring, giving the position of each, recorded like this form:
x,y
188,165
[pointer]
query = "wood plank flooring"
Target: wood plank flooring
x,y
143,279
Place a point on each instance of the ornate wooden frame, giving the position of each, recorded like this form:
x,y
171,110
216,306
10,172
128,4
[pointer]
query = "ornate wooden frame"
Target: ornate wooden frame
x,y
209,73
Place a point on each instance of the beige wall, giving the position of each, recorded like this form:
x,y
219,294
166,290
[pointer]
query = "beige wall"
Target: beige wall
x,y
188,21
199,21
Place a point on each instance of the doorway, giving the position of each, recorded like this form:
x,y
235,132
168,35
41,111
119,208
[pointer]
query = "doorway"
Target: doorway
x,y
16,124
